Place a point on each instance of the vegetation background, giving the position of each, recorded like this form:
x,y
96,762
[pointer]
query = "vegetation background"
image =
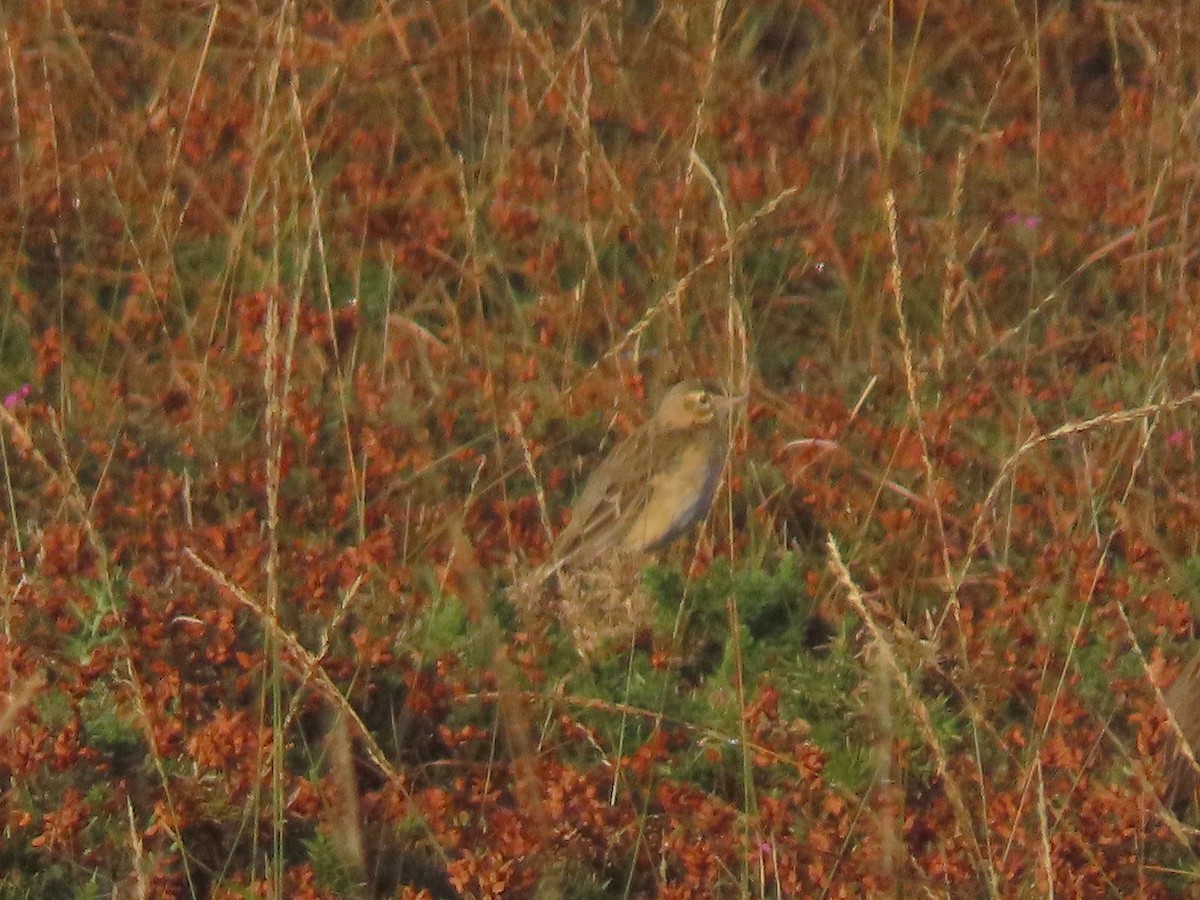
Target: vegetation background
x,y
316,314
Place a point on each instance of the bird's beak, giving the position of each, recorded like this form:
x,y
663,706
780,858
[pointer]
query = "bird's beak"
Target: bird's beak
x,y
728,402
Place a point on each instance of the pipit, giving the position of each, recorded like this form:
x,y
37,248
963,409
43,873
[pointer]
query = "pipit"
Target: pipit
x,y
1181,768
654,486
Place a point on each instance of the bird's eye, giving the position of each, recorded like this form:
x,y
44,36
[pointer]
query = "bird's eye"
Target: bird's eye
x,y
702,400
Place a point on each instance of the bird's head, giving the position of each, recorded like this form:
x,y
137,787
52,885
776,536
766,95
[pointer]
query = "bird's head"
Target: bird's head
x,y
691,404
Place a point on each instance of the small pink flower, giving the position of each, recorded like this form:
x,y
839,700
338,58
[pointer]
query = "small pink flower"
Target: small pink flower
x,y
1030,222
1177,438
15,398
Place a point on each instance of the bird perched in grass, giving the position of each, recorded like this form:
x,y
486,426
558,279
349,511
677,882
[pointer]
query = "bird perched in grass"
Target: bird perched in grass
x,y
654,486
1181,768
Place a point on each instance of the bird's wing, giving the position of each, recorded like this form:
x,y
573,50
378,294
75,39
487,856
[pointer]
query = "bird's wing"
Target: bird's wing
x,y
615,487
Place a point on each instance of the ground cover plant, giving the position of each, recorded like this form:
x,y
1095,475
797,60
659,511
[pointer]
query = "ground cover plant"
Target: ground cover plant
x,y
315,317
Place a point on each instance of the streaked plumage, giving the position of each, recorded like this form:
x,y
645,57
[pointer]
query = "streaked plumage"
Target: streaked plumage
x,y
654,486
1181,768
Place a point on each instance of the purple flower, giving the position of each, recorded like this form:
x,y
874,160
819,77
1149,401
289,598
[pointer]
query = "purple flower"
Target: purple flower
x,y
14,398
1024,221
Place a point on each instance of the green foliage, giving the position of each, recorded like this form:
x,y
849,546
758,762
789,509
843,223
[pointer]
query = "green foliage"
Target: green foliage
x,y
95,625
1097,667
109,730
26,876
330,868
700,693
444,625
16,356
1189,583
572,881
772,605
629,680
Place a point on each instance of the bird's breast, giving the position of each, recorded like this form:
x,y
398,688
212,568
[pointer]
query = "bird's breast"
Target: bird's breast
x,y
679,496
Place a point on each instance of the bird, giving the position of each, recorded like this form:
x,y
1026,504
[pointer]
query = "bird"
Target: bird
x,y
1182,744
654,486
